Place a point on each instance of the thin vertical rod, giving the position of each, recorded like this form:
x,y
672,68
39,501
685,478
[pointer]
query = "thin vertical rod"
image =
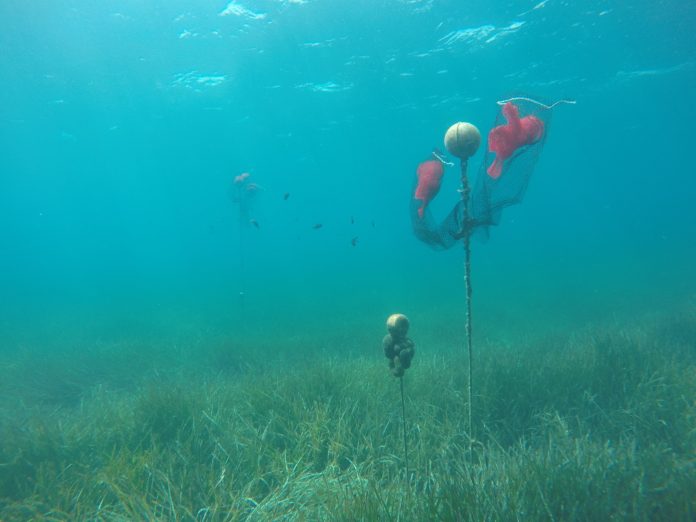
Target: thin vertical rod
x,y
242,214
466,191
403,419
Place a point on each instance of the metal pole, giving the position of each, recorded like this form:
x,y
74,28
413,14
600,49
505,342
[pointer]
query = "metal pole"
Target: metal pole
x,y
466,191
403,418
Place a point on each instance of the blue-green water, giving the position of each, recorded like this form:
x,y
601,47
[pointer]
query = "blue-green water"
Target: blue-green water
x,y
168,354
123,123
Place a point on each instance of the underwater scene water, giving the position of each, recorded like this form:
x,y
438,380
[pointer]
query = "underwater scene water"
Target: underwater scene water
x,y
206,218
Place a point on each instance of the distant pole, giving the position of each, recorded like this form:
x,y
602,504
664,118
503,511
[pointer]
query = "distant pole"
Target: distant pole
x,y
244,190
241,266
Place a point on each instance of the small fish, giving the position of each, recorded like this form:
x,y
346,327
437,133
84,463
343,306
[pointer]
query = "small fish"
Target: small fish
x,y
254,222
317,226
352,220
373,223
354,241
286,196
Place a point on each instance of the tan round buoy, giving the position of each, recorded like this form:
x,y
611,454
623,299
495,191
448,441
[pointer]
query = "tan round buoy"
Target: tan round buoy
x,y
397,325
462,140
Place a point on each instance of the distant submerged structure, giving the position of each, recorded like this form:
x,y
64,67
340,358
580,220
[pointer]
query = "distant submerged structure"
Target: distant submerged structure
x,y
242,193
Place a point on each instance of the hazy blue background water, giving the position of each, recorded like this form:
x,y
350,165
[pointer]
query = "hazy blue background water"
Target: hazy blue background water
x,y
123,123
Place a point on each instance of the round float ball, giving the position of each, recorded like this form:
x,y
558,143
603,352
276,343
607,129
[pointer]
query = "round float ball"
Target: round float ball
x,y
405,356
397,325
462,140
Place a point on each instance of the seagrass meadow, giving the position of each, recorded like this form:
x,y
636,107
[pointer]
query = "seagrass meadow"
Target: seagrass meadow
x,y
595,424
